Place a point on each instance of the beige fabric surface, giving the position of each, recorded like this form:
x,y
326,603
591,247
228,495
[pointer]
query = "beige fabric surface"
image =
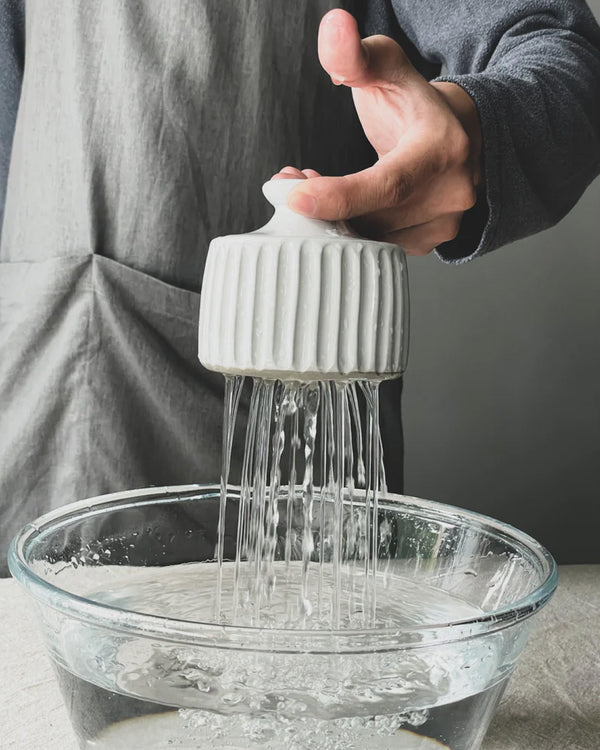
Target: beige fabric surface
x,y
552,702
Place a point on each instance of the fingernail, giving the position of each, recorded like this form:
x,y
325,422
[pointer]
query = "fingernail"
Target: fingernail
x,y
334,20
302,203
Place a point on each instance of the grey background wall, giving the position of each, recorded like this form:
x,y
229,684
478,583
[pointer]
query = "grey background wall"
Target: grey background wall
x,y
502,394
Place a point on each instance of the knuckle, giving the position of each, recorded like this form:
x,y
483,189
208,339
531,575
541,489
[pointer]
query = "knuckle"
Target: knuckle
x,y
465,194
471,196
398,189
341,208
451,229
386,59
343,202
460,147
449,149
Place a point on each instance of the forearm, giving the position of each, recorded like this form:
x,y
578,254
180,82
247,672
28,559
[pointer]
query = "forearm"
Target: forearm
x,y
540,117
532,71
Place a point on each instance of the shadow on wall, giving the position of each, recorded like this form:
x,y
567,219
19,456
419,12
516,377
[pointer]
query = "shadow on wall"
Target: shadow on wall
x,y
502,392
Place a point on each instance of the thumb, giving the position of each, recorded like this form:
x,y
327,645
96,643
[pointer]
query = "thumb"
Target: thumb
x,y
358,63
340,198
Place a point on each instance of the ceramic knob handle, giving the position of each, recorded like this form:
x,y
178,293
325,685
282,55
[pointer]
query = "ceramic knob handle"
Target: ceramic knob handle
x,y
303,299
277,191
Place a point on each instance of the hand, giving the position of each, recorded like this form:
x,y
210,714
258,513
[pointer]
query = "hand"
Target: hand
x,y
427,138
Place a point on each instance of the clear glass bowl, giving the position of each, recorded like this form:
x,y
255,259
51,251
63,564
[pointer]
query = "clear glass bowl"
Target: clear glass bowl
x,y
124,586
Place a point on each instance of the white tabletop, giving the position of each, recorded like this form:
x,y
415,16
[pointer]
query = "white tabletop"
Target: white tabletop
x,y
551,703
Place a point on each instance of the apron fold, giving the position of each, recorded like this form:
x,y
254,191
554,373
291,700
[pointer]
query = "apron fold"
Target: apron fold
x,y
100,386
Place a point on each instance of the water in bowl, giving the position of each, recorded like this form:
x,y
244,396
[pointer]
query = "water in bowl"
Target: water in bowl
x,y
315,615
126,692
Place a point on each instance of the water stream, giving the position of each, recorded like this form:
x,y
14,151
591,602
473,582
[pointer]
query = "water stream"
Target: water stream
x,y
311,550
307,450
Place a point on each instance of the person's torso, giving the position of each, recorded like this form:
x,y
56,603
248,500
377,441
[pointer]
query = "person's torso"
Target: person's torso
x,y
146,128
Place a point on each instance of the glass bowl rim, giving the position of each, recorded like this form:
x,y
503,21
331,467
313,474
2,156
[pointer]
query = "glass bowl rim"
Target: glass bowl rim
x,y
249,638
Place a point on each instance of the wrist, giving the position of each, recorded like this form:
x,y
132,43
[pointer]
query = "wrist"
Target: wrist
x,y
464,109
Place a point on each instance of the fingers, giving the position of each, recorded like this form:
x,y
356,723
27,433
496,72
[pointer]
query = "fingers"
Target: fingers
x,y
418,239
410,185
338,198
355,62
423,238
448,196
291,173
340,50
385,185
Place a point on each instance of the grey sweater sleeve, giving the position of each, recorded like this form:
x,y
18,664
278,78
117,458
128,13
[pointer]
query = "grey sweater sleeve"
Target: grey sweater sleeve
x,y
11,74
533,69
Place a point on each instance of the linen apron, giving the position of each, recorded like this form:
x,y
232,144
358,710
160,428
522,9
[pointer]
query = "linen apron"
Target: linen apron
x,y
145,129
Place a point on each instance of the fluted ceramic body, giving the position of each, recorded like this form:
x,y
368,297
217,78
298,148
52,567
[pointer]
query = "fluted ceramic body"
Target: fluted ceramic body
x,y
303,299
